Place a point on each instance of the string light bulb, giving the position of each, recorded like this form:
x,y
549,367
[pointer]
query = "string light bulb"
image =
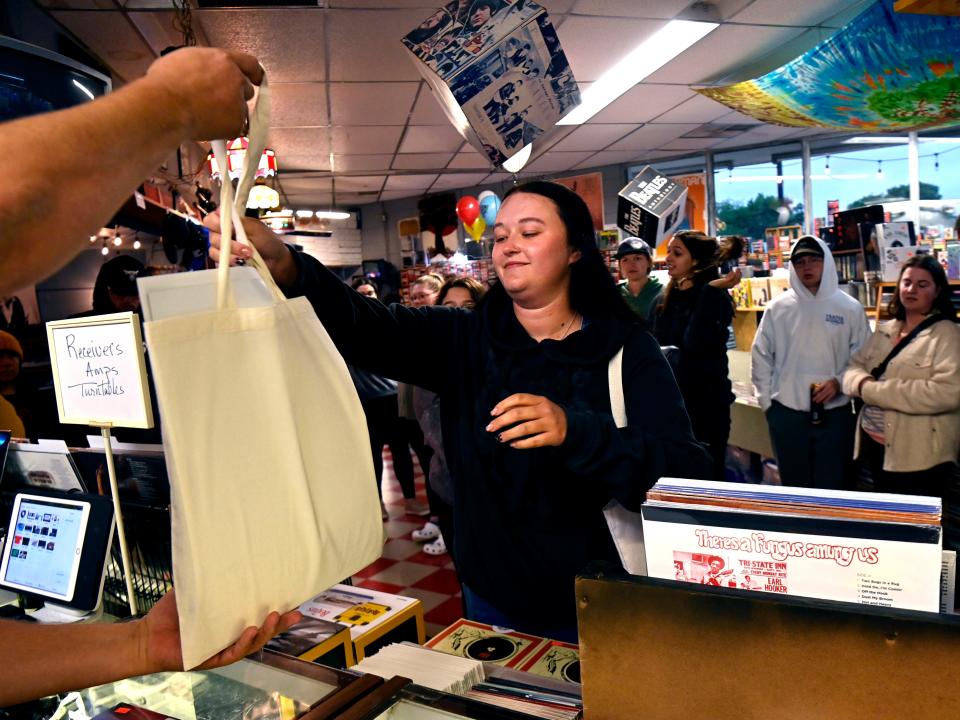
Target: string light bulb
x,y
136,245
104,250
879,169
117,241
936,161
826,170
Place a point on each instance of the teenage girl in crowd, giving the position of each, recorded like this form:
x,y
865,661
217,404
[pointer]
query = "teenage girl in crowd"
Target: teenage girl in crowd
x,y
909,429
533,449
465,293
694,316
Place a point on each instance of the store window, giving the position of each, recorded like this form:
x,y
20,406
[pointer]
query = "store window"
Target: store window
x,y
756,197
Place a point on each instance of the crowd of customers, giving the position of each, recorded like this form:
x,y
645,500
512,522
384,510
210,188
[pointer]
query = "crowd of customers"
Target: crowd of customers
x,y
495,388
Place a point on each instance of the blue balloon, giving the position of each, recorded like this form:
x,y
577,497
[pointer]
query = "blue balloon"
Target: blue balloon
x,y
489,207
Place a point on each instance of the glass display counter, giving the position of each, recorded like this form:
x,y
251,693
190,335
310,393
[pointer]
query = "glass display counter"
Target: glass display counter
x,y
265,686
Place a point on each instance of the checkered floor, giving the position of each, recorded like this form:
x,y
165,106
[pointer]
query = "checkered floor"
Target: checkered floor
x,y
404,569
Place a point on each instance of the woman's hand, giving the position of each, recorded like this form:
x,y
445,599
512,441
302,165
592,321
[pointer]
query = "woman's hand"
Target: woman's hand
x,y
537,420
864,382
275,254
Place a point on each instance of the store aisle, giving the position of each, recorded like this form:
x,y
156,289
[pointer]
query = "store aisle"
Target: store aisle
x,y
404,569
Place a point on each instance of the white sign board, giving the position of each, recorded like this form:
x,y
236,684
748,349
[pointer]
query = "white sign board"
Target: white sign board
x,y
99,372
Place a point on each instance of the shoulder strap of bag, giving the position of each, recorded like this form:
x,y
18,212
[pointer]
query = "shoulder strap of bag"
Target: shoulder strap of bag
x,y
626,528
927,322
615,384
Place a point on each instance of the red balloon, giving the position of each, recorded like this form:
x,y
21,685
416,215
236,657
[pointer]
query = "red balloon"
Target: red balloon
x,y
468,209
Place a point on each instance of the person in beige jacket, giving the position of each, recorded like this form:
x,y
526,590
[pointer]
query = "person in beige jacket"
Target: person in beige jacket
x,y
909,429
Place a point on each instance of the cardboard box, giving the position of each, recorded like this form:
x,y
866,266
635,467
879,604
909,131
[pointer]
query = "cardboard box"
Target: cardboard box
x,y
501,77
651,206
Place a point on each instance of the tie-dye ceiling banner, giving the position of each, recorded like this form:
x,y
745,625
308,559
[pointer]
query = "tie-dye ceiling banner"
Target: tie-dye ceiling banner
x,y
884,71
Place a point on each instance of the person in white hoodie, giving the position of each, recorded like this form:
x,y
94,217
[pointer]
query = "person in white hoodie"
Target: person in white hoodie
x,y
806,337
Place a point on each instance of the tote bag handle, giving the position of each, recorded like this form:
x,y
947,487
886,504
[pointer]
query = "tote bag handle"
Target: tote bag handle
x,y
232,209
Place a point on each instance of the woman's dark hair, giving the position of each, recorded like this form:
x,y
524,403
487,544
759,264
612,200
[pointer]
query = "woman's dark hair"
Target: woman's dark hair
x,y
356,283
474,287
116,274
942,303
593,293
708,254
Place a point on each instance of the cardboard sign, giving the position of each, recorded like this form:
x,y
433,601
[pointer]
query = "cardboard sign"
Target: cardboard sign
x,y
651,206
98,371
497,70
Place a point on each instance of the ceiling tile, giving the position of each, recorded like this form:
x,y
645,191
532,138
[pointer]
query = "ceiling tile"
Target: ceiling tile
x,y
303,185
422,161
595,44
592,137
431,138
157,28
712,56
301,148
554,161
110,36
452,181
609,157
469,159
698,109
348,140
350,199
71,4
427,110
359,183
313,200
388,195
365,44
736,118
361,163
288,43
409,182
790,12
298,105
689,144
371,103
643,103
631,8
650,137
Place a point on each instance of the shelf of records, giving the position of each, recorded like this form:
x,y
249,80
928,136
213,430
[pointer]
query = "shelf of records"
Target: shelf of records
x,y
448,268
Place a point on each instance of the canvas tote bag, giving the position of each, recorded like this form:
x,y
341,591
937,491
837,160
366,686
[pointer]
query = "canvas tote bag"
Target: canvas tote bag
x,y
273,495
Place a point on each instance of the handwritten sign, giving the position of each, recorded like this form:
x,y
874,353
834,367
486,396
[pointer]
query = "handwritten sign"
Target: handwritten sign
x,y
99,372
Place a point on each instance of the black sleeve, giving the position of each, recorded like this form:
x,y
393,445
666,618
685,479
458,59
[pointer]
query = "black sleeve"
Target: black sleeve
x,y
710,321
658,440
392,341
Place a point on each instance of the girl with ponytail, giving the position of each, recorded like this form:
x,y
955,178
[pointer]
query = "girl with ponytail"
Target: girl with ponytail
x,y
695,316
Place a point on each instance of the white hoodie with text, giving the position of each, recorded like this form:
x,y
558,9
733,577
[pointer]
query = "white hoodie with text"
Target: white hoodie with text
x,y
805,338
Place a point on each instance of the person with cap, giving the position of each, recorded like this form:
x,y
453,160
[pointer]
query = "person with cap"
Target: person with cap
x,y
641,291
115,289
11,357
806,338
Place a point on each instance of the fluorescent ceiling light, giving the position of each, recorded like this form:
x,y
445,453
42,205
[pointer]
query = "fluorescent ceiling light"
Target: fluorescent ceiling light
x,y
83,89
515,162
332,215
304,213
645,59
876,140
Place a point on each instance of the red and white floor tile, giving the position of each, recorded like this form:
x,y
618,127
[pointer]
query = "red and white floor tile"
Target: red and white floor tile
x,y
404,569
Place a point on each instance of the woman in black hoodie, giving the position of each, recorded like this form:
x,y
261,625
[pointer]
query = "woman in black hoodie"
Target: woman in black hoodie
x,y
529,437
694,316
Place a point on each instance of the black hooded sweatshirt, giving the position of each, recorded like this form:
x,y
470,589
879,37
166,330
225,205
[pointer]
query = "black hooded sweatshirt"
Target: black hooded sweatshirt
x,y
527,521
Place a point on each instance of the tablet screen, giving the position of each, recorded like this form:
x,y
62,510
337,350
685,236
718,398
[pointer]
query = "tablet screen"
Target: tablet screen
x,y
43,548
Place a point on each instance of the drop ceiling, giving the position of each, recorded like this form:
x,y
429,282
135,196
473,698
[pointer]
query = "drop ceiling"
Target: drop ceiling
x,y
351,113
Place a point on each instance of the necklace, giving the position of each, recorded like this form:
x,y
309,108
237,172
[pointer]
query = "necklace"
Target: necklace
x,y
570,326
